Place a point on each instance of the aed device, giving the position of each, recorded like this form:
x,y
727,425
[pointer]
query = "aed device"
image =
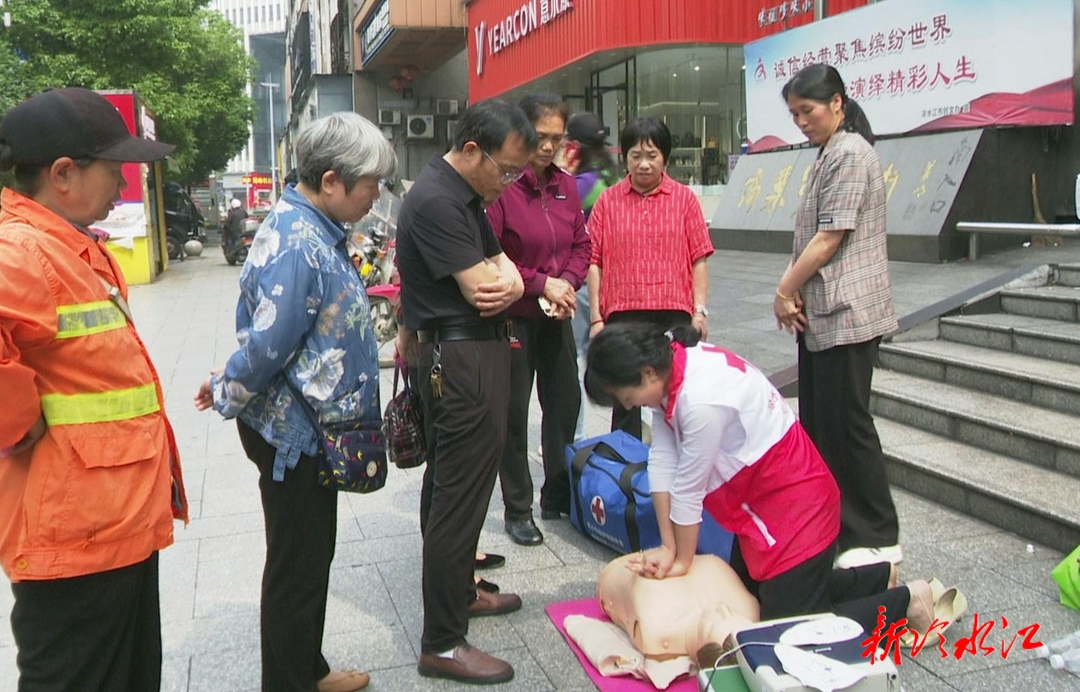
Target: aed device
x,y
836,639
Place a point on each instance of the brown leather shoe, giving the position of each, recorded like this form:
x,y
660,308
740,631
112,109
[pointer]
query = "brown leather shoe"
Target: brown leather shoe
x,y
493,603
469,665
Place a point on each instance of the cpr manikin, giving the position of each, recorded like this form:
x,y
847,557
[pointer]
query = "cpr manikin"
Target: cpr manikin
x,y
676,616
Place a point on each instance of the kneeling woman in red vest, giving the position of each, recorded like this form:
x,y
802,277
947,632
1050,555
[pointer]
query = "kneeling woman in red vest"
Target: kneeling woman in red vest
x,y
726,442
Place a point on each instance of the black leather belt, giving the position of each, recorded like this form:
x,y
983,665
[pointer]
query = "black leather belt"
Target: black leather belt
x,y
476,332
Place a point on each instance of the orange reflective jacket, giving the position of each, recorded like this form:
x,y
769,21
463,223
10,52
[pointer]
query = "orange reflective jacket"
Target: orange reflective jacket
x,y
100,490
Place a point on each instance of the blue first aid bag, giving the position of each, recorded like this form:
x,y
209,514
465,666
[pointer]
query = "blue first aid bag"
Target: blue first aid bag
x,y
610,501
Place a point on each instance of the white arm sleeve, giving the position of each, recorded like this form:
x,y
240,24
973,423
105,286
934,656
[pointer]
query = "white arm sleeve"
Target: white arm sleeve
x,y
663,455
704,427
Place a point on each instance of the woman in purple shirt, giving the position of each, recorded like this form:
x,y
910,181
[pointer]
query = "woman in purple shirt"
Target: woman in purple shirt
x,y
541,227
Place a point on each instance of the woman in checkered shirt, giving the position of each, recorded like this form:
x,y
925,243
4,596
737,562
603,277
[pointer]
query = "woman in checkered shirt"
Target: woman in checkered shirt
x,y
837,297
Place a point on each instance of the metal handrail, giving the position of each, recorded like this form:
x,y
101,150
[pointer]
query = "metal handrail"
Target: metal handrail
x,y
974,228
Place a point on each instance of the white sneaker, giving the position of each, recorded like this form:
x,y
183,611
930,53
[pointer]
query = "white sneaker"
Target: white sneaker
x,y
857,557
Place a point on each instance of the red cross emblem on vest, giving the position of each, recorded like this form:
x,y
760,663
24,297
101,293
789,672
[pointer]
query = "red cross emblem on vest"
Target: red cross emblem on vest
x,y
597,509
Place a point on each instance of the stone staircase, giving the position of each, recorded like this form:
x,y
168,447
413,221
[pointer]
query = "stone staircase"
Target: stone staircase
x,y
985,418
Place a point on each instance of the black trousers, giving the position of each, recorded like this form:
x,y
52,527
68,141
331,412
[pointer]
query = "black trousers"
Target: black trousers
x,y
96,633
545,349
301,529
815,587
469,426
629,419
834,407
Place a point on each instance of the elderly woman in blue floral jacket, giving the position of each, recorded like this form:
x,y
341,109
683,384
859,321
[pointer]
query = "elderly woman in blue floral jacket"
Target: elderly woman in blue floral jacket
x,y
303,320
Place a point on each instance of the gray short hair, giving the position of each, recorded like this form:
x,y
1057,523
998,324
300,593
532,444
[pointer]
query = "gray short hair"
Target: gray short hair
x,y
346,143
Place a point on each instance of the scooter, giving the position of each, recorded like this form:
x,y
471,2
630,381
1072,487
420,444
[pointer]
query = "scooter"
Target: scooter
x,y
236,249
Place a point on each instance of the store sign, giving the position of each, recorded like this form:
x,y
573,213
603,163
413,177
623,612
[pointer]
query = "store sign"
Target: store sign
x,y
375,32
149,128
924,65
257,179
780,13
523,21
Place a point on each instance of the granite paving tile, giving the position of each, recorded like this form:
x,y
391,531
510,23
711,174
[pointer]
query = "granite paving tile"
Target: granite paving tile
x,y
210,578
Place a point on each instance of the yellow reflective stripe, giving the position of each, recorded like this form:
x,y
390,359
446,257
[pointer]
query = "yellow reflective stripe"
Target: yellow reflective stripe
x,y
99,407
88,318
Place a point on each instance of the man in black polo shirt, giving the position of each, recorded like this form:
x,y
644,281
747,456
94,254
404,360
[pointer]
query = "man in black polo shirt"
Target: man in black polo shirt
x,y
456,284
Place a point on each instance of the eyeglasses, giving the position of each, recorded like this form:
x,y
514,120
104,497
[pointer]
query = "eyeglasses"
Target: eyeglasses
x,y
508,177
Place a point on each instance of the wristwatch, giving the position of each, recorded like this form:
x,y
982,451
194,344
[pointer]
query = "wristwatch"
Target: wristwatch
x,y
701,310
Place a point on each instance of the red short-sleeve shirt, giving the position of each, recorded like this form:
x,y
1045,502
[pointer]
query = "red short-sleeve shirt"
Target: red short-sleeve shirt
x,y
646,246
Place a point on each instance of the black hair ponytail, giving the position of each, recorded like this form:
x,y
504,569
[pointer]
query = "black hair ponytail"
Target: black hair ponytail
x,y
621,351
855,120
820,82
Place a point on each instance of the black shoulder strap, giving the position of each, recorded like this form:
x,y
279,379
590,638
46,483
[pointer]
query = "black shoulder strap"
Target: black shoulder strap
x,y
626,485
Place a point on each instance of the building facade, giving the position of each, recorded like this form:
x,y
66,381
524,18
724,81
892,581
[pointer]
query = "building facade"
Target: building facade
x,y
263,23
411,73
679,60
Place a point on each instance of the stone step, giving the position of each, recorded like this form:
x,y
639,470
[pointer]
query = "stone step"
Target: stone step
x,y
1030,336
1068,274
1033,502
1050,302
1031,380
1039,436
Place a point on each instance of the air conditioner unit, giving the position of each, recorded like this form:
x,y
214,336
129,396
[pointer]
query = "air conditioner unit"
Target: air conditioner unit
x,y
446,107
451,130
421,127
389,117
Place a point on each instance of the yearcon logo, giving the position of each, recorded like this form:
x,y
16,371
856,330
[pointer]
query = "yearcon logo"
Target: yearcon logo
x,y
524,20
479,33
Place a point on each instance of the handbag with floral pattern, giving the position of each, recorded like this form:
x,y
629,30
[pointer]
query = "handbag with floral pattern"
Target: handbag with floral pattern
x,y
352,455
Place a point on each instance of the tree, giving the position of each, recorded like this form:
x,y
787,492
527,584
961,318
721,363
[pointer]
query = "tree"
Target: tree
x,y
186,62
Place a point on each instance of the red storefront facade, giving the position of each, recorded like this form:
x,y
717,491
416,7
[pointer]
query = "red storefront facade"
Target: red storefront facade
x,y
680,60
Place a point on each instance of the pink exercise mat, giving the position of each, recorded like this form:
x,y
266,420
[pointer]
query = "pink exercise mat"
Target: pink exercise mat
x,y
590,607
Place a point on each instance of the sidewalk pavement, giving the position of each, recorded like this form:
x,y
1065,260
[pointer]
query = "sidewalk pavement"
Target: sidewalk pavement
x,y
210,578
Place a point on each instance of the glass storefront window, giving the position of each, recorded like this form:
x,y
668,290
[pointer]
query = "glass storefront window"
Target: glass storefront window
x,y
698,92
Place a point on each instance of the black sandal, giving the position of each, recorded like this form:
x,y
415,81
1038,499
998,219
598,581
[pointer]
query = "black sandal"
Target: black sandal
x,y
490,561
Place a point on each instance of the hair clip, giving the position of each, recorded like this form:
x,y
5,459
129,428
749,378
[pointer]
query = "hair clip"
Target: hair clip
x,y
670,336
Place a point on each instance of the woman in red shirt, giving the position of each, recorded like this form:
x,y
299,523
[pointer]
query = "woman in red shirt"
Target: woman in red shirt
x,y
650,244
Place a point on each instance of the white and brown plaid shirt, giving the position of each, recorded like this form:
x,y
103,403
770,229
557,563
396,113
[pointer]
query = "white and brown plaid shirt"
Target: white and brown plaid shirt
x,y
849,300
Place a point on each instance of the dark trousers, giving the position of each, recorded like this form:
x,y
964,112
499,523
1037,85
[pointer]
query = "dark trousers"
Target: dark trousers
x,y
301,528
815,587
545,349
629,419
469,425
834,407
96,633
428,482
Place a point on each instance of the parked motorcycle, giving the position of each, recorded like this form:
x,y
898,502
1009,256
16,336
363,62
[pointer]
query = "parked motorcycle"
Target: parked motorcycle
x,y
384,300
183,220
372,244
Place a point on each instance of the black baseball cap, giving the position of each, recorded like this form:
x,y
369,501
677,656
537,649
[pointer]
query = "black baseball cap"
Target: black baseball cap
x,y
586,128
73,122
